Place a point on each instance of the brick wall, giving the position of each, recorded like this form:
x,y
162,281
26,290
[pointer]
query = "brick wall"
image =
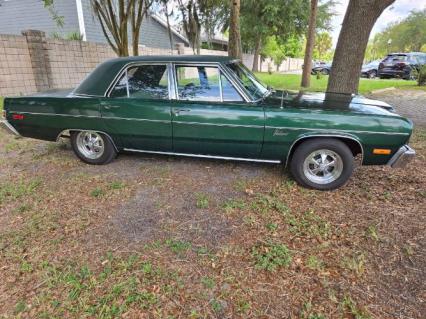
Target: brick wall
x,y
32,62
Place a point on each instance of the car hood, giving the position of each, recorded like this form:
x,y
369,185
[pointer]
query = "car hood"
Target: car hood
x,y
330,101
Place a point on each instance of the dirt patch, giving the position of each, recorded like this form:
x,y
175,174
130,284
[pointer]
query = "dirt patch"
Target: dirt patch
x,y
159,237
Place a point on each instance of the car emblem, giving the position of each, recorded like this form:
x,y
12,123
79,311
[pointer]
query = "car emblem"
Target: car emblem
x,y
280,132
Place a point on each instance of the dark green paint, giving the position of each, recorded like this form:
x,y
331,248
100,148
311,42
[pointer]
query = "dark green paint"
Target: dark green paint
x,y
261,130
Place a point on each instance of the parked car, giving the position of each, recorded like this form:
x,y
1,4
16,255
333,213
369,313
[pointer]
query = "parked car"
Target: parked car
x,y
213,107
369,70
321,68
401,65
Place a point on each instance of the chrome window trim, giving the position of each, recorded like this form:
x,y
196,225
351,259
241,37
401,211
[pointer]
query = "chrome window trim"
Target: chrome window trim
x,y
206,64
172,79
133,64
205,156
323,135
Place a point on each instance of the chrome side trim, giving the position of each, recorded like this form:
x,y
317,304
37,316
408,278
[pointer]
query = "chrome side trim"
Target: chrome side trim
x,y
220,125
328,130
66,132
323,135
205,156
58,114
8,128
402,157
135,119
230,125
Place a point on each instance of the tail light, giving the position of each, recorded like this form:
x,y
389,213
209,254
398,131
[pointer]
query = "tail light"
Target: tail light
x,y
400,65
18,116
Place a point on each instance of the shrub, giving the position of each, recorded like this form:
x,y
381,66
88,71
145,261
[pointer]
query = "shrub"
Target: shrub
x,y
421,79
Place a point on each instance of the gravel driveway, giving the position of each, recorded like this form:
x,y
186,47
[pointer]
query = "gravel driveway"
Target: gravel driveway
x,y
410,103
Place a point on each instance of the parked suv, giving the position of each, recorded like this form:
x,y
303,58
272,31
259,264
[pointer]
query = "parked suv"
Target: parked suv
x,y
402,65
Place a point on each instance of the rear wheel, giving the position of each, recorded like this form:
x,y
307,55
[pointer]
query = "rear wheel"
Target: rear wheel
x,y
372,74
93,147
322,164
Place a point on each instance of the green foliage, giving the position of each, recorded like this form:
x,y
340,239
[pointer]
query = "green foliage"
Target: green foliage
x,y
178,246
406,35
58,19
322,47
292,82
261,19
202,201
97,192
17,189
270,256
350,306
421,78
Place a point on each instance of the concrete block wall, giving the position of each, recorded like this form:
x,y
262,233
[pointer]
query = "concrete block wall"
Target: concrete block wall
x,y
32,63
16,74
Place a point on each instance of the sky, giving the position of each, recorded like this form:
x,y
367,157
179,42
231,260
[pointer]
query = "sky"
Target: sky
x,y
398,11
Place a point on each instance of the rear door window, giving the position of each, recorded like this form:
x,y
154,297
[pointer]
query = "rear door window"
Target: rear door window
x,y
143,81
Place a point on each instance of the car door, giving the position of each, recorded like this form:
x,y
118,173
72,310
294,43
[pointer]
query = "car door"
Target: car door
x,y
138,108
210,117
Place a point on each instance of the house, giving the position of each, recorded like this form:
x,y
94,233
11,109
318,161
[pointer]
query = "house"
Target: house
x,y
78,17
217,42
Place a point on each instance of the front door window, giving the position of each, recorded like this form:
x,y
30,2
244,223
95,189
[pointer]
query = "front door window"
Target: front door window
x,y
204,83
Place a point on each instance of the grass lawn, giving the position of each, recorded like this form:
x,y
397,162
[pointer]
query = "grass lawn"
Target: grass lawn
x,y
292,82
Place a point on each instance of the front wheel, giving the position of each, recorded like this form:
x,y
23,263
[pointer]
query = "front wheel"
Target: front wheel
x,y
323,164
93,147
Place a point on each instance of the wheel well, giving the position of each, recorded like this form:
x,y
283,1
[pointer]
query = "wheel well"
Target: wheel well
x,y
67,134
353,145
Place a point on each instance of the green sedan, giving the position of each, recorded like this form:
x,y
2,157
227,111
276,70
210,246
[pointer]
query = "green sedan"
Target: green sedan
x,y
213,107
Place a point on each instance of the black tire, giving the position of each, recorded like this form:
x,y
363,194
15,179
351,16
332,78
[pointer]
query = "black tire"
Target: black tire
x,y
325,71
108,150
344,159
372,74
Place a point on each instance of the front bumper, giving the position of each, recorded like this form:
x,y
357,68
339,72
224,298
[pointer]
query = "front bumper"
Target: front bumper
x,y
5,125
402,157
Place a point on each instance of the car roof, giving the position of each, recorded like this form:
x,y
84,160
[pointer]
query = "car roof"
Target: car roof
x,y
173,58
100,79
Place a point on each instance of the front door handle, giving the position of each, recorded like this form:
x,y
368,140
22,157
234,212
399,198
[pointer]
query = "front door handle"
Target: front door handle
x,y
178,111
110,107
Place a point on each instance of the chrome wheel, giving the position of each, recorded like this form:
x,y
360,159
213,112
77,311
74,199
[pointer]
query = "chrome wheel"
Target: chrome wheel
x,y
323,166
90,144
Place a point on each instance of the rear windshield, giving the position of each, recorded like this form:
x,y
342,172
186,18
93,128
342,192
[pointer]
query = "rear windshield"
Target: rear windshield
x,y
396,57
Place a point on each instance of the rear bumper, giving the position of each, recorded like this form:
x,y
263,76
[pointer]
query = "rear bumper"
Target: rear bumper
x,y
393,73
5,125
402,157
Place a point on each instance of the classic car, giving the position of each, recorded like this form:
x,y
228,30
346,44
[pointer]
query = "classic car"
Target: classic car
x,y
213,107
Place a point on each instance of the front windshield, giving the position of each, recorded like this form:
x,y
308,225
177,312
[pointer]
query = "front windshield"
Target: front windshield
x,y
253,85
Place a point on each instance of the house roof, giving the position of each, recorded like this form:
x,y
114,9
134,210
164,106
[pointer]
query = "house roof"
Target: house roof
x,y
164,24
98,82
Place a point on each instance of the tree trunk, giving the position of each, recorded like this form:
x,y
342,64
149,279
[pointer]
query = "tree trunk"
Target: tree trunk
x,y
257,54
234,44
360,17
310,42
